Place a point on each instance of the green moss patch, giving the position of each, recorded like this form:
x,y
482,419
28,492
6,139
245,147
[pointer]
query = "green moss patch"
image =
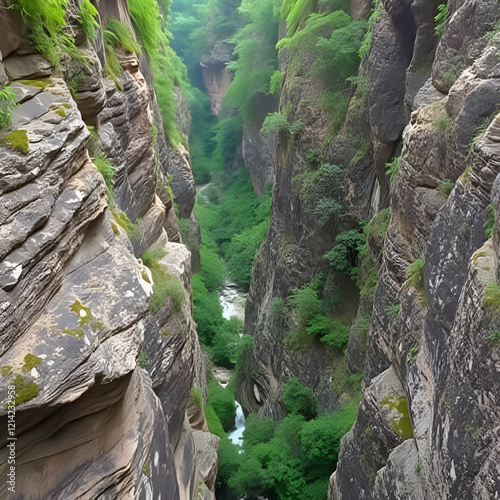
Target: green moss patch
x,y
401,423
61,113
492,297
6,370
85,321
115,229
31,361
42,83
18,140
133,230
26,389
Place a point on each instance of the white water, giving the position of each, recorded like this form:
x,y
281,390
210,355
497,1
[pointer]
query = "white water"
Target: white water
x,y
237,435
232,300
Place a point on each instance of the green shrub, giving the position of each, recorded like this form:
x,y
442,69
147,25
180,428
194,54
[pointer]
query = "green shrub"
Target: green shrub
x,y
494,337
443,123
392,168
492,297
441,19
366,44
8,104
299,399
306,304
225,343
144,360
446,187
393,310
489,225
87,19
276,82
332,332
164,284
344,255
108,172
222,401
278,122
115,35
415,276
45,21
213,422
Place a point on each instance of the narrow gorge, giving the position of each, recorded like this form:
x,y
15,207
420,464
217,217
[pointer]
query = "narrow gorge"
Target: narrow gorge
x,y
249,249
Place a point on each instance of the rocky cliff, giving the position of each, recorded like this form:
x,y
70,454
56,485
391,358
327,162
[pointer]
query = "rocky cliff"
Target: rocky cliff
x,y
428,421
102,351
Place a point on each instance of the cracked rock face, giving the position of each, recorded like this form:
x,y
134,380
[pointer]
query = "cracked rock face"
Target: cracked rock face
x,y
101,388
437,348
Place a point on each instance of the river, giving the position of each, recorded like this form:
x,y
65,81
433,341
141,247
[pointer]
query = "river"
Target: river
x,y
232,299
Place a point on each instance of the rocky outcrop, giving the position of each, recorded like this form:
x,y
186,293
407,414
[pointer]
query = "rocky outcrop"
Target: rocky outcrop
x,y
102,371
215,75
434,344
259,152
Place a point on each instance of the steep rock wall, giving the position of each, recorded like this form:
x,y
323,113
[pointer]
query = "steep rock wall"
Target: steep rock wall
x,y
102,381
432,347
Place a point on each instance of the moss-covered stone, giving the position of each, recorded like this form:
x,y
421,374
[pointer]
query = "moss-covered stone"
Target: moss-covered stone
x,y
26,389
42,83
401,423
31,361
85,321
18,140
115,229
61,113
6,370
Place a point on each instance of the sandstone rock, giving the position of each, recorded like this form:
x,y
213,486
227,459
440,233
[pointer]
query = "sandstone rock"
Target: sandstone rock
x,y
183,187
28,66
206,456
463,41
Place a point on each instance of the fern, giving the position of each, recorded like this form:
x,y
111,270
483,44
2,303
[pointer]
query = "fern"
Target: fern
x,y
441,19
87,19
7,105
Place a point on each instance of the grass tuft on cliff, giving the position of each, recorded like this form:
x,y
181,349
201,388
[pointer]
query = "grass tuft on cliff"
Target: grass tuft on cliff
x,y
18,140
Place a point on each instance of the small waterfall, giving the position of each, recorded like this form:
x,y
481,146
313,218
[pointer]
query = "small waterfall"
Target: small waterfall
x,y
237,435
232,300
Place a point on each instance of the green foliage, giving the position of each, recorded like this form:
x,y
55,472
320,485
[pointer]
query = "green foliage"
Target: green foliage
x,y
87,19
306,304
441,19
115,35
226,341
299,399
443,123
344,255
257,57
489,225
213,271
413,352
45,21
366,44
492,32
213,422
392,168
446,187
164,284
148,22
222,401
276,82
18,140
133,230
393,310
144,360
278,122
493,337
492,297
320,187
292,459
332,332
108,172
8,104
415,276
